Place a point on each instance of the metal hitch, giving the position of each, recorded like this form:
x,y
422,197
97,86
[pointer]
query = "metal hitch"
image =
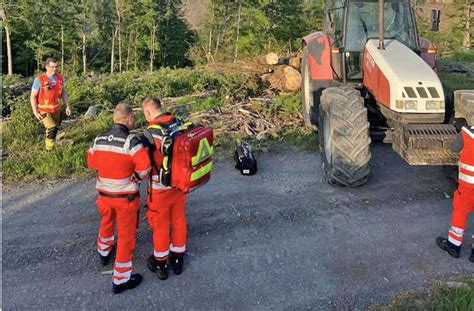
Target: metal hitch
x,y
426,144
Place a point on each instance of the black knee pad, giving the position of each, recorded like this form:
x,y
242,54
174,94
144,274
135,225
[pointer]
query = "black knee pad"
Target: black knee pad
x,y
52,132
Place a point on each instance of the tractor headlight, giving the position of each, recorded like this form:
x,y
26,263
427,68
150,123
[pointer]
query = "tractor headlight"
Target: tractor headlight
x,y
406,104
411,104
434,104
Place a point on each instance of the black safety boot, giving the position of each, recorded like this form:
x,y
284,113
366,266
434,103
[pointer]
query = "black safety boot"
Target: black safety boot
x,y
176,260
158,266
104,260
448,247
135,280
471,258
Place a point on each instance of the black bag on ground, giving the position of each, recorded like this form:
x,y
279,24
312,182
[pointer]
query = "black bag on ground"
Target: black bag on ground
x,y
244,159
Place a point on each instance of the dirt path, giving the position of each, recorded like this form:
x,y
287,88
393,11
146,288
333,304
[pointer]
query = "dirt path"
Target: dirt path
x,y
278,240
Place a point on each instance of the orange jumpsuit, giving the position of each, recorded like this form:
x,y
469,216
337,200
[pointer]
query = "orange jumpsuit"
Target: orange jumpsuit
x,y
121,161
463,202
166,205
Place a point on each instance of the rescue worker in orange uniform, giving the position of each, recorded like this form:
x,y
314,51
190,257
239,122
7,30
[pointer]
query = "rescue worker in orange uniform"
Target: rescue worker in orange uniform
x,y
166,205
48,88
463,201
121,162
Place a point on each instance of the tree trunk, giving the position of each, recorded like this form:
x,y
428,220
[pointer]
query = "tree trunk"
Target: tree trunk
x,y
112,53
152,51
238,32
74,60
128,50
9,50
467,29
209,47
221,35
119,28
62,49
84,56
120,42
135,53
7,38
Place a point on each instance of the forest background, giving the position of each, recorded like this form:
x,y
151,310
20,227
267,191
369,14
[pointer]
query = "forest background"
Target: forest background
x,y
203,57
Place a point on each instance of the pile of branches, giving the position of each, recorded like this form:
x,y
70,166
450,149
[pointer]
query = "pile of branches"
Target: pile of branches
x,y
242,118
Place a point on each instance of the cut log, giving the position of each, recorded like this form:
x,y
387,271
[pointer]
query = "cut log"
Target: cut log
x,y
286,79
293,61
271,59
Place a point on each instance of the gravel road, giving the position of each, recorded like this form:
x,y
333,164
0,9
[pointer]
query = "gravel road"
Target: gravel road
x,y
282,239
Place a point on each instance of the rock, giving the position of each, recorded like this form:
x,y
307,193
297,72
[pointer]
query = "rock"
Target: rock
x,y
456,284
60,136
91,112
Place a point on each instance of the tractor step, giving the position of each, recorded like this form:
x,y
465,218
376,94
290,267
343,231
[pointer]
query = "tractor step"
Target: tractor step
x,y
426,144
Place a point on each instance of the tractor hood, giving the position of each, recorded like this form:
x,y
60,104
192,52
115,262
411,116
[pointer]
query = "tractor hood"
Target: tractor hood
x,y
401,80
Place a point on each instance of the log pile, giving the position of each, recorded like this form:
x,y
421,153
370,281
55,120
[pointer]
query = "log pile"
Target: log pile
x,y
283,74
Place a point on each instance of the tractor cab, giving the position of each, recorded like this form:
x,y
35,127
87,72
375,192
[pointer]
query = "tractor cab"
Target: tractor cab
x,y
351,23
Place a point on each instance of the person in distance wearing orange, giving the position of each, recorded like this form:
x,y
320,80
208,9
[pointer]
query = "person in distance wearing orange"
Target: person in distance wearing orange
x,y
48,88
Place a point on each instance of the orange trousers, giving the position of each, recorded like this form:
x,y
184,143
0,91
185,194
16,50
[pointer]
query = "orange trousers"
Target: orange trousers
x,y
463,204
167,207
125,213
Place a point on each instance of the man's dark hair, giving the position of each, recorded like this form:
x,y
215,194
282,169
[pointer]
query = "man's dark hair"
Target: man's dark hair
x,y
50,60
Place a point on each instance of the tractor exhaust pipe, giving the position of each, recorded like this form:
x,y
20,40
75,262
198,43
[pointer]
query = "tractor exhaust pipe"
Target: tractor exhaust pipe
x,y
381,26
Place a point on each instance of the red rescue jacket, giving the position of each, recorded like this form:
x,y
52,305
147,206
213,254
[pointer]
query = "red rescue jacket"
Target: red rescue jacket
x,y
49,95
120,160
466,160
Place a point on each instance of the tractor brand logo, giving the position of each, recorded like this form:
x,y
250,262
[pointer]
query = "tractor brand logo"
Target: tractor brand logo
x,y
205,150
370,60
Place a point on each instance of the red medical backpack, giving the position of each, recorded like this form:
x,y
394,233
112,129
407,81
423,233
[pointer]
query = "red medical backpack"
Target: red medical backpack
x,y
187,150
191,162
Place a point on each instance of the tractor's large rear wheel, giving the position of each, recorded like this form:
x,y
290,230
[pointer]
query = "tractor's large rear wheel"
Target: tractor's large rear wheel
x,y
307,93
344,138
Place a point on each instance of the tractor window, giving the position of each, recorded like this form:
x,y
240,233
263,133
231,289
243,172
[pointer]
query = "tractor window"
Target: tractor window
x,y
337,16
362,24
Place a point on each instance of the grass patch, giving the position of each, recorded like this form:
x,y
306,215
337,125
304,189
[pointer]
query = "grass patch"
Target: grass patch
x,y
287,103
23,136
440,297
188,90
27,160
453,82
456,81
207,103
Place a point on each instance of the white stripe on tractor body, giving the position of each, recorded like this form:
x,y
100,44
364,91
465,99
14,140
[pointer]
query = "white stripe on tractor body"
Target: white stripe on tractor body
x,y
404,68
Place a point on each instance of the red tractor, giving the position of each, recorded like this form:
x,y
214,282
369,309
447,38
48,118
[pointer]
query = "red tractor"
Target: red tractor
x,y
369,74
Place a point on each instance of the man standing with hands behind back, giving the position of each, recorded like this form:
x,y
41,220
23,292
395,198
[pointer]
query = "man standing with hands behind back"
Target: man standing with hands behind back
x,y
48,88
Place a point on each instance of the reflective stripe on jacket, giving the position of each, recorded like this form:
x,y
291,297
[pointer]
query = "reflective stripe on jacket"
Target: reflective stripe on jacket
x,y
466,160
120,159
49,95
